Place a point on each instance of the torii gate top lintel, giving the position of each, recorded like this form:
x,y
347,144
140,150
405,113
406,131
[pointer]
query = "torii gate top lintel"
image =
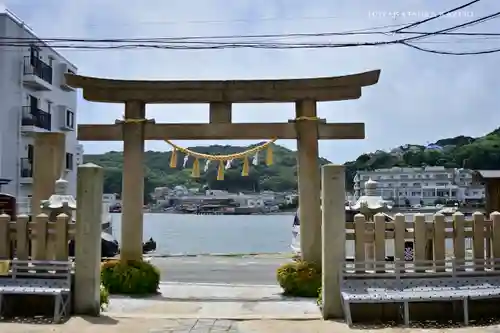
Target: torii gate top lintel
x,y
228,91
220,95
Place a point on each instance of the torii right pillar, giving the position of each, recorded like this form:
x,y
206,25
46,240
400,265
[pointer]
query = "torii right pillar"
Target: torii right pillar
x,y
308,180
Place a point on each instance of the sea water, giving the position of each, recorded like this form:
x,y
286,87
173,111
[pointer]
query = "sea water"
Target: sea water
x,y
202,234
239,234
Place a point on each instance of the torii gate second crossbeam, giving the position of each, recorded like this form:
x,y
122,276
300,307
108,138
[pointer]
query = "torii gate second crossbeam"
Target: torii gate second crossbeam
x,y
306,128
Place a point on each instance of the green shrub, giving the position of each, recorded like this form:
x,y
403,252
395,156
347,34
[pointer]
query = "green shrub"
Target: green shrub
x,y
299,278
319,301
130,277
104,297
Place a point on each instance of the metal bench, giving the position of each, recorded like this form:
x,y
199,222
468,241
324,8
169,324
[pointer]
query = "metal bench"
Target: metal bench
x,y
50,278
425,281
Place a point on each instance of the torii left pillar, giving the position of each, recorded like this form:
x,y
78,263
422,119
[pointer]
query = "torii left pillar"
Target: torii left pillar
x,y
133,181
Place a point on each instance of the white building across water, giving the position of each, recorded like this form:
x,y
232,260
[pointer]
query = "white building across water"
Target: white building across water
x,y
34,98
421,185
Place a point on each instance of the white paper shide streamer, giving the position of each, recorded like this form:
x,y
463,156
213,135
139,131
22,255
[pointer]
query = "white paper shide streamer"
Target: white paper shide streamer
x,y
255,160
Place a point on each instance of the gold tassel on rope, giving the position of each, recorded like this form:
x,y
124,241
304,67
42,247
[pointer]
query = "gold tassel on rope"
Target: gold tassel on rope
x,y
246,167
269,155
195,173
173,158
220,170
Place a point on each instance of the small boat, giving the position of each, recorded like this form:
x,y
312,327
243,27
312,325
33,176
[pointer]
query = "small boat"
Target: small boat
x,y
448,211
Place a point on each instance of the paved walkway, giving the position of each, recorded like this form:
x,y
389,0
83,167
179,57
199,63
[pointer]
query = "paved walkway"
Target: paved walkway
x,y
193,301
220,269
106,324
126,325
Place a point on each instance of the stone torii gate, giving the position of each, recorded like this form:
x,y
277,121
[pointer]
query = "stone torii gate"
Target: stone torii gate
x,y
220,95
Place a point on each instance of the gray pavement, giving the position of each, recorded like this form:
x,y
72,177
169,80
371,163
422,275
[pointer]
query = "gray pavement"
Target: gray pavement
x,y
178,300
197,326
220,269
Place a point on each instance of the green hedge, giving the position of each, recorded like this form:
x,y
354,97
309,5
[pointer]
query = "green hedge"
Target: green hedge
x,y
299,278
104,297
130,277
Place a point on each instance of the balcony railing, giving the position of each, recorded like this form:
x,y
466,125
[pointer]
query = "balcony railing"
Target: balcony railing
x,y
35,66
33,116
26,168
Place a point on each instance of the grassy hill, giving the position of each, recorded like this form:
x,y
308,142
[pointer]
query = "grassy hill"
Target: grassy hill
x,y
458,152
280,176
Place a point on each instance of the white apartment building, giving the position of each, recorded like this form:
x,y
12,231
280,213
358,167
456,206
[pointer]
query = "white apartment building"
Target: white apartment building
x,y
34,98
421,185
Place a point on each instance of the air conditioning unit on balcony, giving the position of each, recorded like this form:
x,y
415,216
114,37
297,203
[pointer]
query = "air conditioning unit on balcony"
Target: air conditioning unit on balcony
x,y
64,69
66,118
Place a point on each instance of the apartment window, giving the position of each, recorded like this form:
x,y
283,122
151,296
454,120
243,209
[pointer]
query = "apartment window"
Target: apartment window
x,y
51,61
32,101
404,176
404,184
30,149
34,53
70,119
49,107
69,161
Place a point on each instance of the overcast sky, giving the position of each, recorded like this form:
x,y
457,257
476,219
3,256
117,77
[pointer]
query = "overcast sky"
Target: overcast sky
x,y
420,97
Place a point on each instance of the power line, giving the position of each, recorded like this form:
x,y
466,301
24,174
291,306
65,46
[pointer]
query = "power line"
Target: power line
x,y
28,41
411,25
203,45
366,31
479,34
452,53
459,26
111,40
201,42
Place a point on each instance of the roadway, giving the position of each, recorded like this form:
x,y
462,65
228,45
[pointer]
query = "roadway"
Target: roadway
x,y
219,269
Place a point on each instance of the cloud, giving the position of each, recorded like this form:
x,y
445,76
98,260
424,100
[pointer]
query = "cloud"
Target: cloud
x,y
420,97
